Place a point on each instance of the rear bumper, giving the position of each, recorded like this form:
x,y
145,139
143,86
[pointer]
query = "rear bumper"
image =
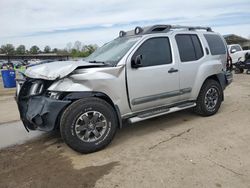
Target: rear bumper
x,y
229,77
40,112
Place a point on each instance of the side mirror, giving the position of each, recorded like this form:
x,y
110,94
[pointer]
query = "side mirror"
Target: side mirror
x,y
233,51
137,62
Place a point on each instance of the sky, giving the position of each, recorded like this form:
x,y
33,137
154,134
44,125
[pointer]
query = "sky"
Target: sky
x,y
58,22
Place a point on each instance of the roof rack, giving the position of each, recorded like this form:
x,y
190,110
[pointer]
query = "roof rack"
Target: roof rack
x,y
191,27
161,29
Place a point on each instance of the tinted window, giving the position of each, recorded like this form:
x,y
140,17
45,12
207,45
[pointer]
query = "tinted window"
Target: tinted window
x,y
189,46
197,46
155,51
216,44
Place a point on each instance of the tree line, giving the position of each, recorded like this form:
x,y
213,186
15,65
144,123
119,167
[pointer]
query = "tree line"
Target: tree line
x,y
76,49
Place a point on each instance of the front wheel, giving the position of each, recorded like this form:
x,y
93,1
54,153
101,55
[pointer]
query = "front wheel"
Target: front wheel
x,y
209,99
88,125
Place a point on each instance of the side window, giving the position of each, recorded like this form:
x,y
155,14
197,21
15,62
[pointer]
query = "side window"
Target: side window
x,y
197,46
216,44
189,47
155,51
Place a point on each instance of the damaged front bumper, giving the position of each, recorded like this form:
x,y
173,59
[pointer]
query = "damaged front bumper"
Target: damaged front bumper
x,y
38,111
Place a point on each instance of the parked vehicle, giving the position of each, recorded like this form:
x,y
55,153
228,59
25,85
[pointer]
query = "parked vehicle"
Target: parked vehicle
x,y
144,73
236,52
33,61
41,62
17,64
241,65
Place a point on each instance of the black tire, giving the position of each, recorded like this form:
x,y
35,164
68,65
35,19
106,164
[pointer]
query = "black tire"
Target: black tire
x,y
75,112
201,106
241,70
237,70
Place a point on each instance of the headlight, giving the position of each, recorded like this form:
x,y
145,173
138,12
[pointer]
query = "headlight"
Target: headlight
x,y
36,88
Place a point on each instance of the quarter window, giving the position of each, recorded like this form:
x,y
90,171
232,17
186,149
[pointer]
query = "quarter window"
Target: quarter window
x,y
155,51
189,47
216,44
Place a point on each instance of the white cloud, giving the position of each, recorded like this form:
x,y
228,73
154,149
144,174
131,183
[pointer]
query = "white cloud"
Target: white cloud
x,y
19,19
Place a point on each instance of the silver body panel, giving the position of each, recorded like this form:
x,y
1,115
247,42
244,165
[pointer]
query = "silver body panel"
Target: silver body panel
x,y
55,70
136,89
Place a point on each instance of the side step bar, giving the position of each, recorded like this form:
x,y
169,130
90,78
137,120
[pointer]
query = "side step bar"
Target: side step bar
x,y
160,111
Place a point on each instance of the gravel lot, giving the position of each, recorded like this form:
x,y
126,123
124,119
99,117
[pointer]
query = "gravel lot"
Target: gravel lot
x,y
176,150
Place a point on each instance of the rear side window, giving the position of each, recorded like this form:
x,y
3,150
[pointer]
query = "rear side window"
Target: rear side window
x,y
216,44
155,51
189,47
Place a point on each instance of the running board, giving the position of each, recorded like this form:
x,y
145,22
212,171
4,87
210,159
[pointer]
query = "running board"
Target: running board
x,y
160,111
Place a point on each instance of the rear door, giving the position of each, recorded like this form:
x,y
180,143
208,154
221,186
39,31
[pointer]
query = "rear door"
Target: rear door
x,y
191,55
156,82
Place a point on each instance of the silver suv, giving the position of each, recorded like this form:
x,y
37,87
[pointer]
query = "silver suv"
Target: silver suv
x,y
144,73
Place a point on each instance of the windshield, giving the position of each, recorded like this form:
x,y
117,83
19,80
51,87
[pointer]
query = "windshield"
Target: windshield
x,y
112,52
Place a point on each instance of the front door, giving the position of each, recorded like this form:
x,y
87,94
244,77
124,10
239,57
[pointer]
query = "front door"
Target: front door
x,y
155,80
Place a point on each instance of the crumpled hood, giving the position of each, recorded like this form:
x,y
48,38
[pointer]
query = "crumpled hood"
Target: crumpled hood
x,y
56,70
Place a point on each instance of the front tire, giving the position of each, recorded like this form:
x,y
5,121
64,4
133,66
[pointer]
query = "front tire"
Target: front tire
x,y
209,99
88,125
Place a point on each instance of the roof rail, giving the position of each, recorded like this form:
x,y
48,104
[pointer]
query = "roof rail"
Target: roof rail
x,y
160,28
166,28
191,27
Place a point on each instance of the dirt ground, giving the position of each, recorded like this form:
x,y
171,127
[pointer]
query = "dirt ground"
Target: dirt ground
x,y
176,150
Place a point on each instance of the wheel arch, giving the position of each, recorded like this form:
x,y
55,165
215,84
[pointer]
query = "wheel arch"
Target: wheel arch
x,y
73,96
220,78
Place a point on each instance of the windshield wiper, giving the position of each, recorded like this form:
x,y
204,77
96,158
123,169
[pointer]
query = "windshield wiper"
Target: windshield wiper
x,y
97,62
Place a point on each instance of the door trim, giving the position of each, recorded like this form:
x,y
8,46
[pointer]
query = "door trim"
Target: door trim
x,y
151,98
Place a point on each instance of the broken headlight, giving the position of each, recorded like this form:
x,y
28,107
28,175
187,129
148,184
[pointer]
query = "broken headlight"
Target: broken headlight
x,y
36,88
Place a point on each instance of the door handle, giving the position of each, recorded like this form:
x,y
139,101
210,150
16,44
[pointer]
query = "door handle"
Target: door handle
x,y
172,70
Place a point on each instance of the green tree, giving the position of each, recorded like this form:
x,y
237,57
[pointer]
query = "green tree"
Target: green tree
x,y
47,49
55,50
77,45
34,49
91,48
20,50
8,49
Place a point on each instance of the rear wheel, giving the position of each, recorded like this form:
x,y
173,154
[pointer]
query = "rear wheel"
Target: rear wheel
x,y
88,125
209,99
238,70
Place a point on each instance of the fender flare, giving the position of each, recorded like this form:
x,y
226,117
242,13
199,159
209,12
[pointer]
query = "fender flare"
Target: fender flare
x,y
73,96
220,77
